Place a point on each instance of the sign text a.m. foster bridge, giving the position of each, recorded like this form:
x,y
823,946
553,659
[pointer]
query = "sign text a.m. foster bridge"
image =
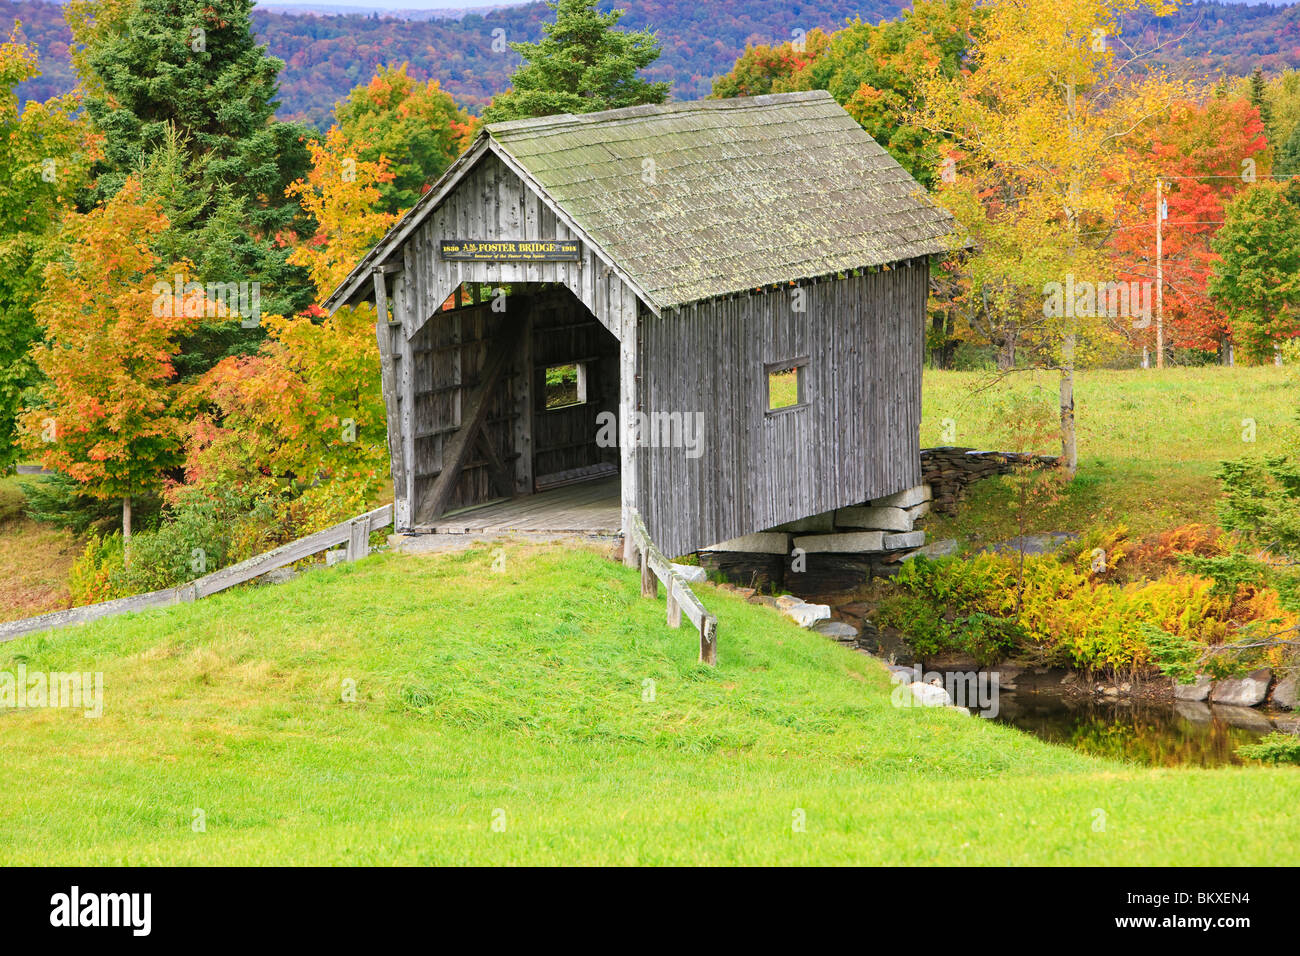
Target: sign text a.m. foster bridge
x,y
511,250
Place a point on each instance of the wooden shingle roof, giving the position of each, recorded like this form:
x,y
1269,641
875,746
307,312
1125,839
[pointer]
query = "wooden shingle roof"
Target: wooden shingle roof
x,y
702,199
690,201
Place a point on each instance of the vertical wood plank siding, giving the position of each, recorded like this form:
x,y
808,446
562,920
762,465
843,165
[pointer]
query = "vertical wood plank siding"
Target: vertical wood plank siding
x,y
491,202
856,438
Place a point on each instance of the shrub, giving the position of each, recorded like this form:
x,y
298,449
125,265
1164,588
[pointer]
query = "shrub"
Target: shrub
x,y
1066,614
1276,748
91,577
955,605
193,541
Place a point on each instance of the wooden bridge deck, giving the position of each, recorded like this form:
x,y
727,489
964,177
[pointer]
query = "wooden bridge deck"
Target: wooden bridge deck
x,y
591,507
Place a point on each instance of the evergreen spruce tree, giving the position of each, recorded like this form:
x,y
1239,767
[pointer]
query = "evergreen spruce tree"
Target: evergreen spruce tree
x,y
1259,98
581,65
185,100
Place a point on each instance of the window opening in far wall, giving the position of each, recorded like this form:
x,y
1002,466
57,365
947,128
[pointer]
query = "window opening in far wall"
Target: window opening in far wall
x,y
566,385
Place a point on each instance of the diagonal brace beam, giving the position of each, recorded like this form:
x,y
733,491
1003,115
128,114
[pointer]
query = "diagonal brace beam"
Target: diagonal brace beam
x,y
457,450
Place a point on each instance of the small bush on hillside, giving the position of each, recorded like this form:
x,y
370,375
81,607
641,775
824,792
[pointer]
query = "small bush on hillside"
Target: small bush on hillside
x,y
193,541
59,500
199,534
90,579
1276,748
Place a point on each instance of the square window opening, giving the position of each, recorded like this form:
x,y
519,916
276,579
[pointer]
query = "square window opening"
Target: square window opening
x,y
786,385
566,385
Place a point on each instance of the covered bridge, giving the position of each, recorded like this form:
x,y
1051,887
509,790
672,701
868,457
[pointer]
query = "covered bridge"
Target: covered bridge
x,y
713,311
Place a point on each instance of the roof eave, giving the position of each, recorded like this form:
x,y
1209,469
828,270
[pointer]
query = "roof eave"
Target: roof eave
x,y
519,169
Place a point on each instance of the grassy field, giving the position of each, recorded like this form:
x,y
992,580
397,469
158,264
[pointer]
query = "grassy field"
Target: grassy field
x,y
1149,441
523,698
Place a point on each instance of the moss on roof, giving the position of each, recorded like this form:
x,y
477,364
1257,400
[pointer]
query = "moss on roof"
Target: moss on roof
x,y
696,200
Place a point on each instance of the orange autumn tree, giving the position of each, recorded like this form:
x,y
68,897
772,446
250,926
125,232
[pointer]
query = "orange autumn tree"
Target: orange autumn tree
x,y
302,418
416,126
106,413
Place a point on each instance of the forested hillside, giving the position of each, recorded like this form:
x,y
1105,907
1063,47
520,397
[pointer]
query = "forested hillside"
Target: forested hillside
x,y
326,56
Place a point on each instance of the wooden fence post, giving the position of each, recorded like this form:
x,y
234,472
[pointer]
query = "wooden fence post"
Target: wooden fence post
x,y
649,583
358,539
709,640
682,602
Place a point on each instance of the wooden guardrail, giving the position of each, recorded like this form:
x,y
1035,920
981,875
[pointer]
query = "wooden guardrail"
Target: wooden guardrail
x,y
681,599
354,533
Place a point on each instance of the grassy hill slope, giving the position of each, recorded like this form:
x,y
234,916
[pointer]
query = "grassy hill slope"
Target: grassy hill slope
x,y
1150,442
522,695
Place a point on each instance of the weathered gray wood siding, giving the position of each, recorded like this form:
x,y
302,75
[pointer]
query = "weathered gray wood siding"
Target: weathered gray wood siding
x,y
448,356
856,438
492,202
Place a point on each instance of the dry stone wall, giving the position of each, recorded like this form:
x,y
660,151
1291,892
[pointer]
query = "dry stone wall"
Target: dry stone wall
x,y
839,550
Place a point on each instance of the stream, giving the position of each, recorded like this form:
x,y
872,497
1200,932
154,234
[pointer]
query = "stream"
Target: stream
x,y
1154,733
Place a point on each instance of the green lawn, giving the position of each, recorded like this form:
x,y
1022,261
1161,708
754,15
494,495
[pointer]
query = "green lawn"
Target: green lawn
x,y
522,692
1149,441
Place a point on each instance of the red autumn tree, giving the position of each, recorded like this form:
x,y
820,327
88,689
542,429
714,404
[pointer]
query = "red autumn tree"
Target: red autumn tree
x,y
106,412
416,126
1205,153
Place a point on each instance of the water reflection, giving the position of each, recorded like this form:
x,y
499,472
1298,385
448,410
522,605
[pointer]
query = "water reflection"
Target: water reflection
x,y
1156,734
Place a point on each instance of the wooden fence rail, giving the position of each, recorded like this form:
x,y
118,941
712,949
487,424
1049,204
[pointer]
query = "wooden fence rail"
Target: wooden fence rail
x,y
681,599
355,534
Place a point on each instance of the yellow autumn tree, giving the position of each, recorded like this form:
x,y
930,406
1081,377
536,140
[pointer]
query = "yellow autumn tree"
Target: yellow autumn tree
x,y
342,194
1040,119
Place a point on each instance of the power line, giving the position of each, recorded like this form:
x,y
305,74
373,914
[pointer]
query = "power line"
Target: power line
x,y
1238,176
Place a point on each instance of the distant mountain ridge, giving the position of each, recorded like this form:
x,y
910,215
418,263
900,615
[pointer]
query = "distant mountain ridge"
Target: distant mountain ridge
x,y
399,13
327,55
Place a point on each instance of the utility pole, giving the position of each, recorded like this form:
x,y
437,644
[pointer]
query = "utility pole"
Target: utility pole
x,y
1160,274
